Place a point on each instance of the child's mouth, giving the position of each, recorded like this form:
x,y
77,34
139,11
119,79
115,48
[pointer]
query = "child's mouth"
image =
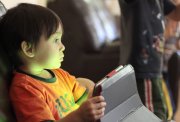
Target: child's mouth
x,y
61,59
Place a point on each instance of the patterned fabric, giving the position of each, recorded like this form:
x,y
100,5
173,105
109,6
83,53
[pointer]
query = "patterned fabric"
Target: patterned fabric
x,y
168,100
165,77
142,32
142,46
169,49
37,99
148,94
152,96
171,38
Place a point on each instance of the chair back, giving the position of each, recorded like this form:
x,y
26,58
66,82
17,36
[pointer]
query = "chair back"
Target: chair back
x,y
6,111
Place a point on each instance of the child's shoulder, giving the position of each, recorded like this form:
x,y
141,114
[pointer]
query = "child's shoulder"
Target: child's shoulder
x,y
60,71
23,81
63,74
20,78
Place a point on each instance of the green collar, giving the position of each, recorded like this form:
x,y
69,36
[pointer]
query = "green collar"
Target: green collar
x,y
52,80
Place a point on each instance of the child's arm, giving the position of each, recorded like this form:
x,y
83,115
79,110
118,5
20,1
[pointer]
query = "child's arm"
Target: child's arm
x,y
90,110
86,83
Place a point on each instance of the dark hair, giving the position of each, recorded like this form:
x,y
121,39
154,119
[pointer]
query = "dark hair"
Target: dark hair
x,y
26,22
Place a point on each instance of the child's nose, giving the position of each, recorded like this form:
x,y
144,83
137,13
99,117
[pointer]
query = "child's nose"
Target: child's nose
x,y
62,48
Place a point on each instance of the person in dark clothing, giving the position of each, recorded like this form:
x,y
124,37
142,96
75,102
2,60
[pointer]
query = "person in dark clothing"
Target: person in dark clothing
x,y
142,42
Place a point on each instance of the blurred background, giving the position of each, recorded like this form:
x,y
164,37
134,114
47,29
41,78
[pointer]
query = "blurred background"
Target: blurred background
x,y
11,3
112,5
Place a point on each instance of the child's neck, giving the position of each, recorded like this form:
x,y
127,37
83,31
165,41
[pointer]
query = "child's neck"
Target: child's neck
x,y
37,72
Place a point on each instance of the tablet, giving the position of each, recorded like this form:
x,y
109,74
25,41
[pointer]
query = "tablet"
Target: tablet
x,y
121,96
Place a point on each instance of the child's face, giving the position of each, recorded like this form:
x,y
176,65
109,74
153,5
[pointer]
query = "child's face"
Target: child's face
x,y
49,53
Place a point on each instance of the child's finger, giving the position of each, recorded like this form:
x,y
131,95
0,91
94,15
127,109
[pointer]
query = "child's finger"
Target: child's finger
x,y
97,99
100,105
100,111
98,116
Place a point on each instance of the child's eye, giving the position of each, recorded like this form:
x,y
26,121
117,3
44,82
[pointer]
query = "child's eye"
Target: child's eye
x,y
56,40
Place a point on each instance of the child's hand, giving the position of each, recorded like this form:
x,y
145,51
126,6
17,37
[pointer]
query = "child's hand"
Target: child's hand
x,y
92,109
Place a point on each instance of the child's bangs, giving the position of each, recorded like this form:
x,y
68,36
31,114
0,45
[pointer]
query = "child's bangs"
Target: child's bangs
x,y
51,24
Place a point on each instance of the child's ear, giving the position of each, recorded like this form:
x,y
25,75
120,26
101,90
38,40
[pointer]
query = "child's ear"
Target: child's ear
x,y
27,49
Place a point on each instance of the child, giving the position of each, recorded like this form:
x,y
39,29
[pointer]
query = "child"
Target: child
x,y
40,90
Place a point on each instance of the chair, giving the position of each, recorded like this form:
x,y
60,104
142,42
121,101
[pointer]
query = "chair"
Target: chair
x,y
90,37
6,113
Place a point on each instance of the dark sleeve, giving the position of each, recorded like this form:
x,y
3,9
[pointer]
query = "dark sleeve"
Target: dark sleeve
x,y
47,121
169,6
128,1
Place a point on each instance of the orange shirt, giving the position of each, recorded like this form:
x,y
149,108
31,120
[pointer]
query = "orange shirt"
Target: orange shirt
x,y
37,99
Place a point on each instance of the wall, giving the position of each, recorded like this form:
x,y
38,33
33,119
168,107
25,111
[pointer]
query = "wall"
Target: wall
x,y
113,6
11,3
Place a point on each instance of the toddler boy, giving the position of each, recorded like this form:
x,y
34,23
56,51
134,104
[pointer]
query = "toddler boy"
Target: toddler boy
x,y
40,90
